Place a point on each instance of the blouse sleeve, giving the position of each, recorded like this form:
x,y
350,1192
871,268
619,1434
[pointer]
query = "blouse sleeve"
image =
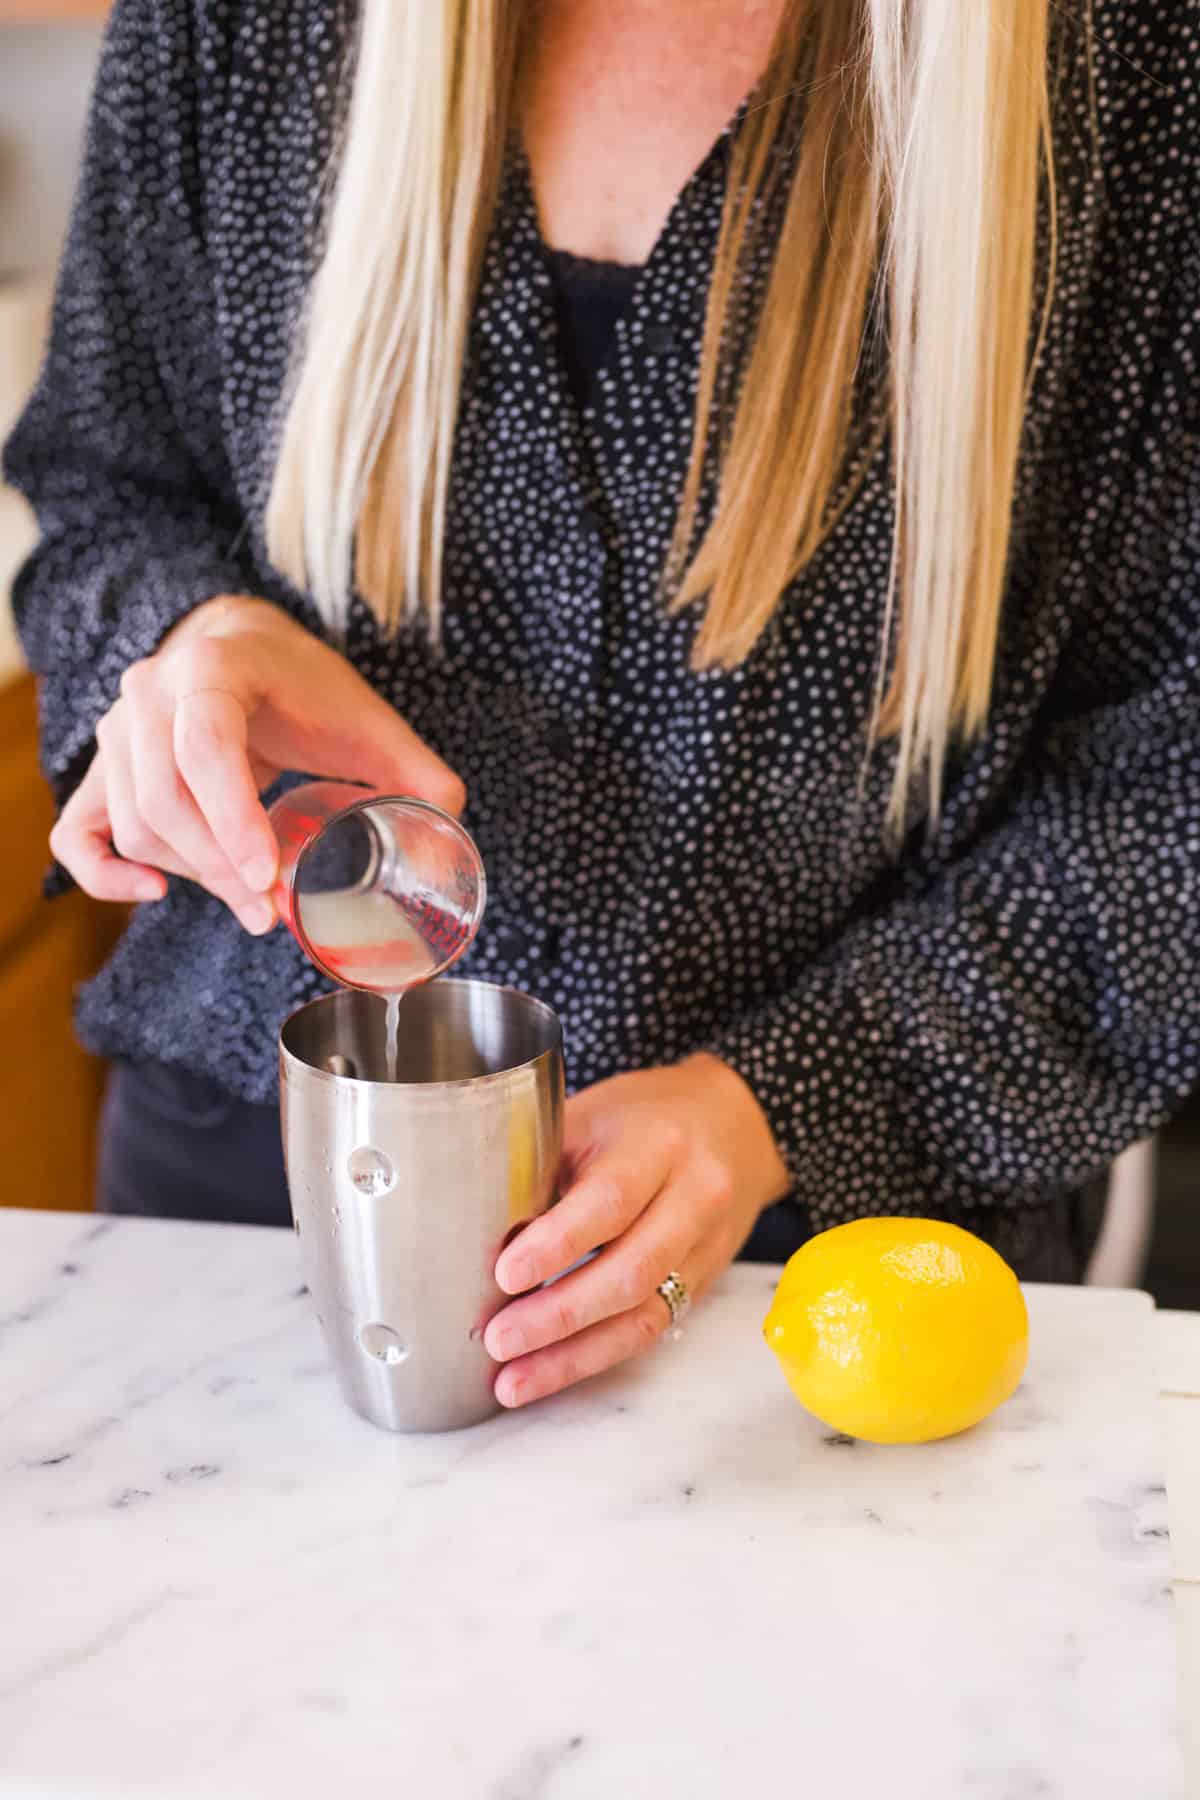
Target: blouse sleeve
x,y
130,484
997,1036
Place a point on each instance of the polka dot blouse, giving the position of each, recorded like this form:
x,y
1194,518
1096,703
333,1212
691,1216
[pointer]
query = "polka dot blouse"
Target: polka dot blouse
x,y
676,861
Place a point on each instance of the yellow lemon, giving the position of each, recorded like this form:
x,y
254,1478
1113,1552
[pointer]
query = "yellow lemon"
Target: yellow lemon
x,y
899,1330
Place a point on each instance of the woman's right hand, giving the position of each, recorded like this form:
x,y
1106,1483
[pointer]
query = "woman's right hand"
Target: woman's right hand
x,y
235,695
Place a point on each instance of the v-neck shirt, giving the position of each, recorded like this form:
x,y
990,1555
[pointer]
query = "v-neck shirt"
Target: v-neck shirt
x,y
677,860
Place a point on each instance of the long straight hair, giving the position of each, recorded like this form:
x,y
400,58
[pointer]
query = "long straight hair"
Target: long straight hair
x,y
910,210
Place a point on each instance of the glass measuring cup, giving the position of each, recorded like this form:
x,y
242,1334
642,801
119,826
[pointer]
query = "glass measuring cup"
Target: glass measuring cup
x,y
381,891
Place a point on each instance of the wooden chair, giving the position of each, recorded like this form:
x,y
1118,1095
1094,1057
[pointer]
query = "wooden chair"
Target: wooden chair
x,y
50,1090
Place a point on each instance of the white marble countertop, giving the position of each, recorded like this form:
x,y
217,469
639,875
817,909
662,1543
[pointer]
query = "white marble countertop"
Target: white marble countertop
x,y
216,1581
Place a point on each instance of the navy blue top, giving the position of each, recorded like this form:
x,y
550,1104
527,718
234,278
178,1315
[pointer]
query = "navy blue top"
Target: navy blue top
x,y
676,860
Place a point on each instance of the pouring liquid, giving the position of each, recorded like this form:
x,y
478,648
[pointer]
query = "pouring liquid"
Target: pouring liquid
x,y
392,1027
366,939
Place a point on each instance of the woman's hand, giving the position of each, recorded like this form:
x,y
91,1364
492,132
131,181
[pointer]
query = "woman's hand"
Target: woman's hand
x,y
236,694
668,1169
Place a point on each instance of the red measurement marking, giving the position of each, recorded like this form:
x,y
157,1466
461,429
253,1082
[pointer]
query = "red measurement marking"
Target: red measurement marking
x,y
441,930
368,954
297,828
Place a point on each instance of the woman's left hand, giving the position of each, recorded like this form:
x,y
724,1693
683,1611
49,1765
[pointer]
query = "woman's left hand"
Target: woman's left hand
x,y
668,1169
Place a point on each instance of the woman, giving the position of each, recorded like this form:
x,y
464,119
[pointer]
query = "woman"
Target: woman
x,y
749,447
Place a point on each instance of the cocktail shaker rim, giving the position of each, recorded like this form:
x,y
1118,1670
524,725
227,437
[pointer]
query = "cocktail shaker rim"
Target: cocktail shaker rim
x,y
473,1083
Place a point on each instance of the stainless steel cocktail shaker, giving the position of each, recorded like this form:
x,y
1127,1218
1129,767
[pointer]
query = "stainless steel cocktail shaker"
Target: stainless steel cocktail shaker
x,y
404,1191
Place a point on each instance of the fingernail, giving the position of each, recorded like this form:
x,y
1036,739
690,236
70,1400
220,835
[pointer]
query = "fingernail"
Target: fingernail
x,y
515,1274
148,890
258,917
512,1390
258,874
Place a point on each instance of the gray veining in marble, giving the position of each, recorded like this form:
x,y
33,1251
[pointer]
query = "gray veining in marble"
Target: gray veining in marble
x,y
214,1580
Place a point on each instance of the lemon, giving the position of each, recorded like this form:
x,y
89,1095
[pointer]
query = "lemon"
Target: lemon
x,y
899,1330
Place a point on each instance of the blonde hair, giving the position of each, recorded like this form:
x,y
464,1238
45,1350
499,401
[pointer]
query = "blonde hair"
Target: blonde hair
x,y
910,207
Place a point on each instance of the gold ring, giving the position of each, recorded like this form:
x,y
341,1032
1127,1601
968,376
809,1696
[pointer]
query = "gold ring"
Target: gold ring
x,y
679,1302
